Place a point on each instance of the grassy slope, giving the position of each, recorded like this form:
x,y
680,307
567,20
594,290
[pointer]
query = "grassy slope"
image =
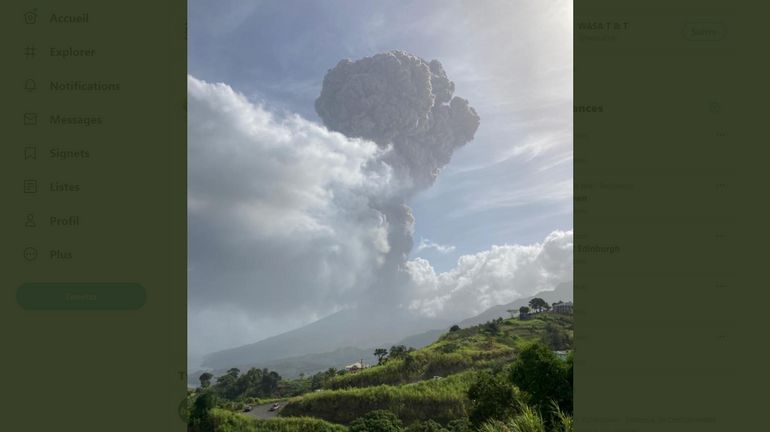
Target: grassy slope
x,y
395,385
458,351
227,421
441,400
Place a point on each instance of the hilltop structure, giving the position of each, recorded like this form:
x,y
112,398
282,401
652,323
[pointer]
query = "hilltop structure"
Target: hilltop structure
x,y
357,366
563,308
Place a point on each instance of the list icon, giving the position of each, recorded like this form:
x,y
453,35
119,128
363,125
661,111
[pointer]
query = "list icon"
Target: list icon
x,y
30,186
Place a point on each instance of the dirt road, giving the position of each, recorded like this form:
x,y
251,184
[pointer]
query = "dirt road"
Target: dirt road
x,y
263,411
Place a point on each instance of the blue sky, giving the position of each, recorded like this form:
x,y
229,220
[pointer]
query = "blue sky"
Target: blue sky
x,y
512,60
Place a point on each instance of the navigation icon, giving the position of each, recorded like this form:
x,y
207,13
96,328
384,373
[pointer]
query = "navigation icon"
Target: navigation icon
x,y
30,222
30,153
30,186
30,16
30,119
30,254
30,85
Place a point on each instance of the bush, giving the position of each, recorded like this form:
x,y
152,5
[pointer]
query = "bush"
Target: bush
x,y
492,397
377,421
459,425
557,337
426,426
545,378
529,420
200,415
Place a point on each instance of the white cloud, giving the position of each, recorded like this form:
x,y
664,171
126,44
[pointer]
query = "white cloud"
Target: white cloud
x,y
496,276
427,244
279,216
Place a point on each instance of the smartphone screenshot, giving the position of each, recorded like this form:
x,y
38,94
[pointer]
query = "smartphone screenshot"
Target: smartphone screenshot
x,y
383,216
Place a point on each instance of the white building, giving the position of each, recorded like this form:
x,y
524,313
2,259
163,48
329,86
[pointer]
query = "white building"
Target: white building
x,y
563,308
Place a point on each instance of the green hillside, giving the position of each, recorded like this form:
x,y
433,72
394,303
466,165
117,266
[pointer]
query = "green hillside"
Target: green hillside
x,y
481,346
407,386
455,384
441,400
227,421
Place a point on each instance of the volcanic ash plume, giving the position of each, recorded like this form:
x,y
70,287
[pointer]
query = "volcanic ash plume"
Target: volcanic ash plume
x,y
398,99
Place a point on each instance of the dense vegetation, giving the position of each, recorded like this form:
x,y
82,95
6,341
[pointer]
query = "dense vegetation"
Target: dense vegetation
x,y
485,346
501,376
441,400
227,421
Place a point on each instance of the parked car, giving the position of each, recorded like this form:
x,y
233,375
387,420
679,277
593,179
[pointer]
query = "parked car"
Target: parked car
x,y
275,407
247,408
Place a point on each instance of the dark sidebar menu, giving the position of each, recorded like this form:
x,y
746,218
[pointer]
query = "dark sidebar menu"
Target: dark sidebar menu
x,y
670,213
93,249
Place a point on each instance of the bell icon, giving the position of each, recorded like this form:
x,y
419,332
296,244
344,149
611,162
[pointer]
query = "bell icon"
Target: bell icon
x,y
30,85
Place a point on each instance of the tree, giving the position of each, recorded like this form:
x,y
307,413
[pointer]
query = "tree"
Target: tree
x,y
397,351
200,420
556,338
317,380
492,397
533,304
454,328
330,373
523,310
269,384
380,353
538,304
377,421
250,383
410,364
492,327
512,312
543,377
205,379
226,384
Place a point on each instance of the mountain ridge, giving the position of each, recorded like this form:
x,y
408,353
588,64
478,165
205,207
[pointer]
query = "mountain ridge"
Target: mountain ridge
x,y
289,353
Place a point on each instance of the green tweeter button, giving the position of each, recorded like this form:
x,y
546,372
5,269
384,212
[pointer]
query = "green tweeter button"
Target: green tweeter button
x,y
81,296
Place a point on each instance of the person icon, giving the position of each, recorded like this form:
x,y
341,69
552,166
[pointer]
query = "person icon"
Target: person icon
x,y
30,223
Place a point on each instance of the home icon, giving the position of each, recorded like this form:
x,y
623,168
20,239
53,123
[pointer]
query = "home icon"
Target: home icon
x,y
30,17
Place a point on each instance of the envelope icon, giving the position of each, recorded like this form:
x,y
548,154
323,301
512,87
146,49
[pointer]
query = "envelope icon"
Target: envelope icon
x,y
30,119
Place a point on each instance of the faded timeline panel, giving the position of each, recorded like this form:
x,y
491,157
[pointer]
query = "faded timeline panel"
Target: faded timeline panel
x,y
664,205
93,223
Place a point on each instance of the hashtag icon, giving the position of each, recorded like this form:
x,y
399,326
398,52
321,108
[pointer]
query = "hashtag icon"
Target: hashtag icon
x,y
29,52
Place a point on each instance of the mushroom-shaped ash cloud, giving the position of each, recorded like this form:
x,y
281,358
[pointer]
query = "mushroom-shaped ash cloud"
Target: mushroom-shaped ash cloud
x,y
399,99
